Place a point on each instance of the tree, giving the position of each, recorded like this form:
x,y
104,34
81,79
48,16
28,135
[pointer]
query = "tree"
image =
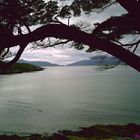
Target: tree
x,y
16,14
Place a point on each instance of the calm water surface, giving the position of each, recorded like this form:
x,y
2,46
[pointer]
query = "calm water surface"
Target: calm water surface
x,y
67,98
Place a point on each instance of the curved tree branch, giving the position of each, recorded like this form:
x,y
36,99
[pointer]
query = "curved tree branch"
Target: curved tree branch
x,y
72,33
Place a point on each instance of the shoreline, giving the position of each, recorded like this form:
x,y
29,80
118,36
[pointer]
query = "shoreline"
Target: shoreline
x,y
19,68
97,132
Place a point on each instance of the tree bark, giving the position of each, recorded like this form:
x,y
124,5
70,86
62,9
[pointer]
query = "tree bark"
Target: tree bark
x,y
72,33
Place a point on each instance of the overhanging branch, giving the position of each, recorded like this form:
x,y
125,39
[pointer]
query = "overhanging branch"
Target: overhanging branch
x,y
73,34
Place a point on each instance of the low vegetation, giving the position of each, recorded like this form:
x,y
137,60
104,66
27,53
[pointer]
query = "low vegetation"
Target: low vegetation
x,y
23,67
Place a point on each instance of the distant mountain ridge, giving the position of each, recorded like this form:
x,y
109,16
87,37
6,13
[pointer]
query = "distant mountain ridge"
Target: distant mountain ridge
x,y
93,61
38,63
97,61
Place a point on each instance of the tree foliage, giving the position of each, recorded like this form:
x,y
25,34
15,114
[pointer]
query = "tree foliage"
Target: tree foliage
x,y
16,15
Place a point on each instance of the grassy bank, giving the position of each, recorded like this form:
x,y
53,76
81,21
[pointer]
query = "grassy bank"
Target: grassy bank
x,y
23,67
97,132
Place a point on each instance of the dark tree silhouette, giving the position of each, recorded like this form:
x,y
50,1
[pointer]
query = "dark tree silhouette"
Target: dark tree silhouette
x,y
16,14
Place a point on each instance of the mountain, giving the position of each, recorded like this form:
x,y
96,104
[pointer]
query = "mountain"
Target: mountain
x,y
97,61
38,63
93,61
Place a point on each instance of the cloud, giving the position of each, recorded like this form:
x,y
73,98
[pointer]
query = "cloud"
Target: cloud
x,y
56,55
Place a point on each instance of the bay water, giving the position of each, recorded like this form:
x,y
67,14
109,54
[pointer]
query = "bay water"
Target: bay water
x,y
61,98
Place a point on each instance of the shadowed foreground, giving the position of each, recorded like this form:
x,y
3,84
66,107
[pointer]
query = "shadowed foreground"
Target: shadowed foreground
x,y
97,132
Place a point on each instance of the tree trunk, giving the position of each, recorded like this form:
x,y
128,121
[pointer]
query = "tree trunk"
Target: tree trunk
x,y
4,67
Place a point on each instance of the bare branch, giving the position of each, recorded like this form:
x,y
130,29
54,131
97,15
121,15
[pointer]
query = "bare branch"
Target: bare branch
x,y
50,44
4,54
57,20
129,44
135,48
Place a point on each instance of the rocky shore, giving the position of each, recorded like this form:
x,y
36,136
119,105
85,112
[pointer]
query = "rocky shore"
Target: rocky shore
x,y
96,132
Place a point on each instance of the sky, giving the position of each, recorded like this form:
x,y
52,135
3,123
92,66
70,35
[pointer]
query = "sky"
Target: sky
x,y
64,54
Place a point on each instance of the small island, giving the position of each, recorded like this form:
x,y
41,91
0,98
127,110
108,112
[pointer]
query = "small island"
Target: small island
x,y
23,67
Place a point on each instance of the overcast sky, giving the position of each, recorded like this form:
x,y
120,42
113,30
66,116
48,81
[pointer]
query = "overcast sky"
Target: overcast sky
x,y
64,54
